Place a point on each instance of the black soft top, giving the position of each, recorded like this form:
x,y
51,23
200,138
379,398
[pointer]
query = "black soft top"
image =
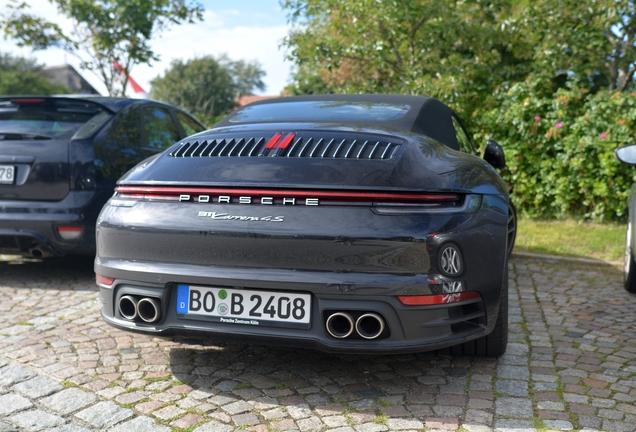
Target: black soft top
x,y
420,114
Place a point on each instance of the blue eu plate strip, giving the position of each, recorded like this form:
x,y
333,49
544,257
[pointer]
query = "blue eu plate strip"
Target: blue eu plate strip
x,y
183,292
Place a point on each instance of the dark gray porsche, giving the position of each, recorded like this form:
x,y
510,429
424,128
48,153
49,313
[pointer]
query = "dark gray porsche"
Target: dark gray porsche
x,y
346,223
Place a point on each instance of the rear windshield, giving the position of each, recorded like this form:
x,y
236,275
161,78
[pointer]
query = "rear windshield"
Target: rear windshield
x,y
321,111
44,120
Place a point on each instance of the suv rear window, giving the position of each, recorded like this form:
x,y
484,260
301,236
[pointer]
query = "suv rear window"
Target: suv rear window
x,y
42,119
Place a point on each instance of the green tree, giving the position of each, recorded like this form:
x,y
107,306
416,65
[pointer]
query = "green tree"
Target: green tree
x,y
552,80
20,76
207,87
307,80
246,76
453,50
590,43
462,51
104,32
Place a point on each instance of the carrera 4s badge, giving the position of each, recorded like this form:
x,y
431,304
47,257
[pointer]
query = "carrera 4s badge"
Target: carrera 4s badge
x,y
227,216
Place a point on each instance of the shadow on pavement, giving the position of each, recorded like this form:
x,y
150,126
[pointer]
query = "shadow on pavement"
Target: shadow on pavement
x,y
291,377
65,273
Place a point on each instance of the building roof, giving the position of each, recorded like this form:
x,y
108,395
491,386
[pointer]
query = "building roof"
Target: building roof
x,y
67,76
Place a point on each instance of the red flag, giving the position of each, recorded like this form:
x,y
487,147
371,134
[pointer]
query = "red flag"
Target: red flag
x,y
136,87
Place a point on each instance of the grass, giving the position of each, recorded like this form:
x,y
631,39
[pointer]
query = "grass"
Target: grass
x,y
571,238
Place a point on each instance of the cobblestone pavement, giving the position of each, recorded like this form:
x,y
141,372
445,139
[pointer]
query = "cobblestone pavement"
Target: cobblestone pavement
x,y
570,365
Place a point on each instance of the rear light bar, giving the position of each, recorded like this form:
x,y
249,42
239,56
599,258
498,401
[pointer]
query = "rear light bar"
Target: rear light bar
x,y
234,195
438,299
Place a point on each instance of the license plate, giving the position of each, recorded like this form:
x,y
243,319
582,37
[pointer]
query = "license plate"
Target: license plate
x,y
7,174
232,306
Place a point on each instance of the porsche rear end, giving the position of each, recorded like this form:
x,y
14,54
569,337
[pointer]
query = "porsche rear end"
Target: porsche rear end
x,y
339,240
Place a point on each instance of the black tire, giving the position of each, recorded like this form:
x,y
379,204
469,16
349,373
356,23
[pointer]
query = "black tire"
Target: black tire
x,y
512,228
494,344
629,266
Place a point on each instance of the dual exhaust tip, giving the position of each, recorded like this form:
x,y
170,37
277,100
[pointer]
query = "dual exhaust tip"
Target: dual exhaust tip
x,y
368,326
146,308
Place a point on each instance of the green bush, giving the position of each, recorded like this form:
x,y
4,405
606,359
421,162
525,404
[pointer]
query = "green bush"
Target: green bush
x,y
560,149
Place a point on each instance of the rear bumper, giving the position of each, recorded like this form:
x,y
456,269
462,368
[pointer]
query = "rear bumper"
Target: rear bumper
x,y
408,328
29,228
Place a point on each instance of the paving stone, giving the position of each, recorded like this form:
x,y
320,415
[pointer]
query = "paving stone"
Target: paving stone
x,y
69,427
513,372
214,426
477,428
299,411
4,427
513,407
548,405
35,420
474,416
237,407
558,424
512,387
312,423
187,421
222,400
509,425
440,423
168,412
371,427
37,387
335,421
68,401
12,374
104,414
140,424
10,403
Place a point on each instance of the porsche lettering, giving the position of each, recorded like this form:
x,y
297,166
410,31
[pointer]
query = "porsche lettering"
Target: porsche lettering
x,y
227,199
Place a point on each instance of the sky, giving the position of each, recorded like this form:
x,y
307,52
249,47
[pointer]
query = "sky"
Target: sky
x,y
250,30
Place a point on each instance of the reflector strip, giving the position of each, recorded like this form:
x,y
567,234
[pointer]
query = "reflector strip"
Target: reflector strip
x,y
70,232
437,299
104,279
169,192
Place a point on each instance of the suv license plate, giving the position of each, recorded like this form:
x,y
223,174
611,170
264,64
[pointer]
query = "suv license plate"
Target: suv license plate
x,y
233,306
7,174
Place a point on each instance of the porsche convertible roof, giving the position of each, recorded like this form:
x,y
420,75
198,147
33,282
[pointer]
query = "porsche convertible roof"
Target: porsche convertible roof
x,y
418,114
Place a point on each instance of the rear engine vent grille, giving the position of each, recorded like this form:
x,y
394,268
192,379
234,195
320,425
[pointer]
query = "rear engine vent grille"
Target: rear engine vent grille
x,y
289,145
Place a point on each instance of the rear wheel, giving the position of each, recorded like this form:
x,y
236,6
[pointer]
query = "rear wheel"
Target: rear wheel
x,y
629,266
494,344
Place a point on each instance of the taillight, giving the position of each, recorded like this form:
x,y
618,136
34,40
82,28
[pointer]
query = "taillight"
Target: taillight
x,y
70,232
438,299
278,196
104,280
27,101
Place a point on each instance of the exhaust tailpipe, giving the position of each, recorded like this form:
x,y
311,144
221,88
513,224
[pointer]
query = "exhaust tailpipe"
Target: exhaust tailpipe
x,y
149,309
128,307
370,325
339,325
